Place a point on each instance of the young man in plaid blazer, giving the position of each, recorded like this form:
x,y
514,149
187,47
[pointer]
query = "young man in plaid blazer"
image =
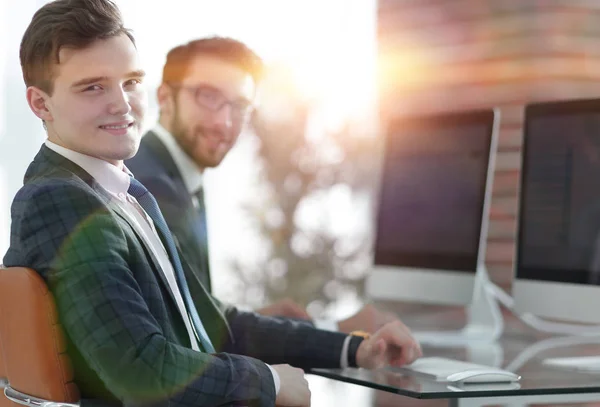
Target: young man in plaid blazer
x,y
141,328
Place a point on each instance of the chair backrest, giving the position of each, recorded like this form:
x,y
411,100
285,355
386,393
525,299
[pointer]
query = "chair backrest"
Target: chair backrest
x,y
35,358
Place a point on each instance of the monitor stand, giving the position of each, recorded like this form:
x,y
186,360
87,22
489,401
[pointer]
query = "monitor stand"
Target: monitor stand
x,y
484,319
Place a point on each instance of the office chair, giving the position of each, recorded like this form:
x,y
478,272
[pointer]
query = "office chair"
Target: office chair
x,y
36,369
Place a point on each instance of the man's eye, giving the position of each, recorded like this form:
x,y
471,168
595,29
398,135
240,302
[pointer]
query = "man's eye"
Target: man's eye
x,y
92,88
133,82
211,96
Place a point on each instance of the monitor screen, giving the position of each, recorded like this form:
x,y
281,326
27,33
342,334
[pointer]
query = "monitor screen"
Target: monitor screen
x,y
559,228
432,191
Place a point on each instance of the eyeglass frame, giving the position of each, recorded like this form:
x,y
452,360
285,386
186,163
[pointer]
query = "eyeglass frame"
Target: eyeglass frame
x,y
237,112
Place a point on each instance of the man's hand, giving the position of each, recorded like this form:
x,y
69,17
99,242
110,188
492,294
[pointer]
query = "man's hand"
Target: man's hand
x,y
284,308
293,390
368,319
392,345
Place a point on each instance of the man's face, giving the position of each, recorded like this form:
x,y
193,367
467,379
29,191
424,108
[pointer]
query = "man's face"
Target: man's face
x,y
98,103
210,109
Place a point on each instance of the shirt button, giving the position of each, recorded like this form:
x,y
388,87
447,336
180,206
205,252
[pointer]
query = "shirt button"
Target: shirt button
x,y
121,196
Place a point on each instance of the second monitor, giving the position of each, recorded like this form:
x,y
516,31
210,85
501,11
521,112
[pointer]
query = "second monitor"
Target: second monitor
x,y
432,213
558,250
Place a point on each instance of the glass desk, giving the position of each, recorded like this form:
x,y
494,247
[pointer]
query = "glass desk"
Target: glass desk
x,y
517,352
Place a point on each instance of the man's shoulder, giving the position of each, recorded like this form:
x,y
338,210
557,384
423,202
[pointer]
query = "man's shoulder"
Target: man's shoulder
x,y
145,161
47,211
59,193
152,171
55,183
153,164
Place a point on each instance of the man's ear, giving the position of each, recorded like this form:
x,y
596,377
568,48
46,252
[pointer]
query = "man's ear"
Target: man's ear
x,y
38,100
166,99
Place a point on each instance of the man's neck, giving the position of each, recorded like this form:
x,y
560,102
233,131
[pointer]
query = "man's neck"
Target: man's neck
x,y
56,140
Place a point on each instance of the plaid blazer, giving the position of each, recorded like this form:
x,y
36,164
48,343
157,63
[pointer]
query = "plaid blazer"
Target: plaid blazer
x,y
126,338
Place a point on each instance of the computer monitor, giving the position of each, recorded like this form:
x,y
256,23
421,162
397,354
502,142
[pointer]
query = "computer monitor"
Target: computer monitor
x,y
433,207
558,249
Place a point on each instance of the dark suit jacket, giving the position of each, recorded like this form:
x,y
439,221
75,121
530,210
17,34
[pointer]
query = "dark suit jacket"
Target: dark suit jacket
x,y
126,338
154,167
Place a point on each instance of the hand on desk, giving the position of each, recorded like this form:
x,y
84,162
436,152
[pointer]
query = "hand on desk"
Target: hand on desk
x,y
294,391
391,345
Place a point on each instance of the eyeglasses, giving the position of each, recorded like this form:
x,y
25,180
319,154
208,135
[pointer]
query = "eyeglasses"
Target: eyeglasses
x,y
213,100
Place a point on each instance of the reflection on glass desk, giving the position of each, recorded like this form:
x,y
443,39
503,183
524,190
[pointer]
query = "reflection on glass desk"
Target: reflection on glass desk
x,y
519,355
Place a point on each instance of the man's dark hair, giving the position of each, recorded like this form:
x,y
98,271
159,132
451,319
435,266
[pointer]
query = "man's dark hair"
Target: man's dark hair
x,y
225,49
65,24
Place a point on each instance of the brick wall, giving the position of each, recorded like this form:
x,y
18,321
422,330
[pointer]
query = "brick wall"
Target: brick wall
x,y
448,55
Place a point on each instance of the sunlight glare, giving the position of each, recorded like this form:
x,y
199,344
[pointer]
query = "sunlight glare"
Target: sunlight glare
x,y
333,64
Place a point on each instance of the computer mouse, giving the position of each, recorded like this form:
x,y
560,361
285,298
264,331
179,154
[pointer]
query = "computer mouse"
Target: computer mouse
x,y
483,376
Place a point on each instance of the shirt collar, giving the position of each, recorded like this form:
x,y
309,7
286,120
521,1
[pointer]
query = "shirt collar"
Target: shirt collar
x,y
115,180
190,172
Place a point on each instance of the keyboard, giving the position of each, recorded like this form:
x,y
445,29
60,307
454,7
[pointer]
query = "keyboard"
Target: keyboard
x,y
456,371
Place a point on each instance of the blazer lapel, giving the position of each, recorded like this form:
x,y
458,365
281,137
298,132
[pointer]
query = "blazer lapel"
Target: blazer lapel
x,y
217,326
121,213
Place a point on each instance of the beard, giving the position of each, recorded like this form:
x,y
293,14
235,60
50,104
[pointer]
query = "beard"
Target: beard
x,y
192,141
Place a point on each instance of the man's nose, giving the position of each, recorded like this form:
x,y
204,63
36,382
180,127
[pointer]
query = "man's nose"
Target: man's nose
x,y
224,117
119,104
